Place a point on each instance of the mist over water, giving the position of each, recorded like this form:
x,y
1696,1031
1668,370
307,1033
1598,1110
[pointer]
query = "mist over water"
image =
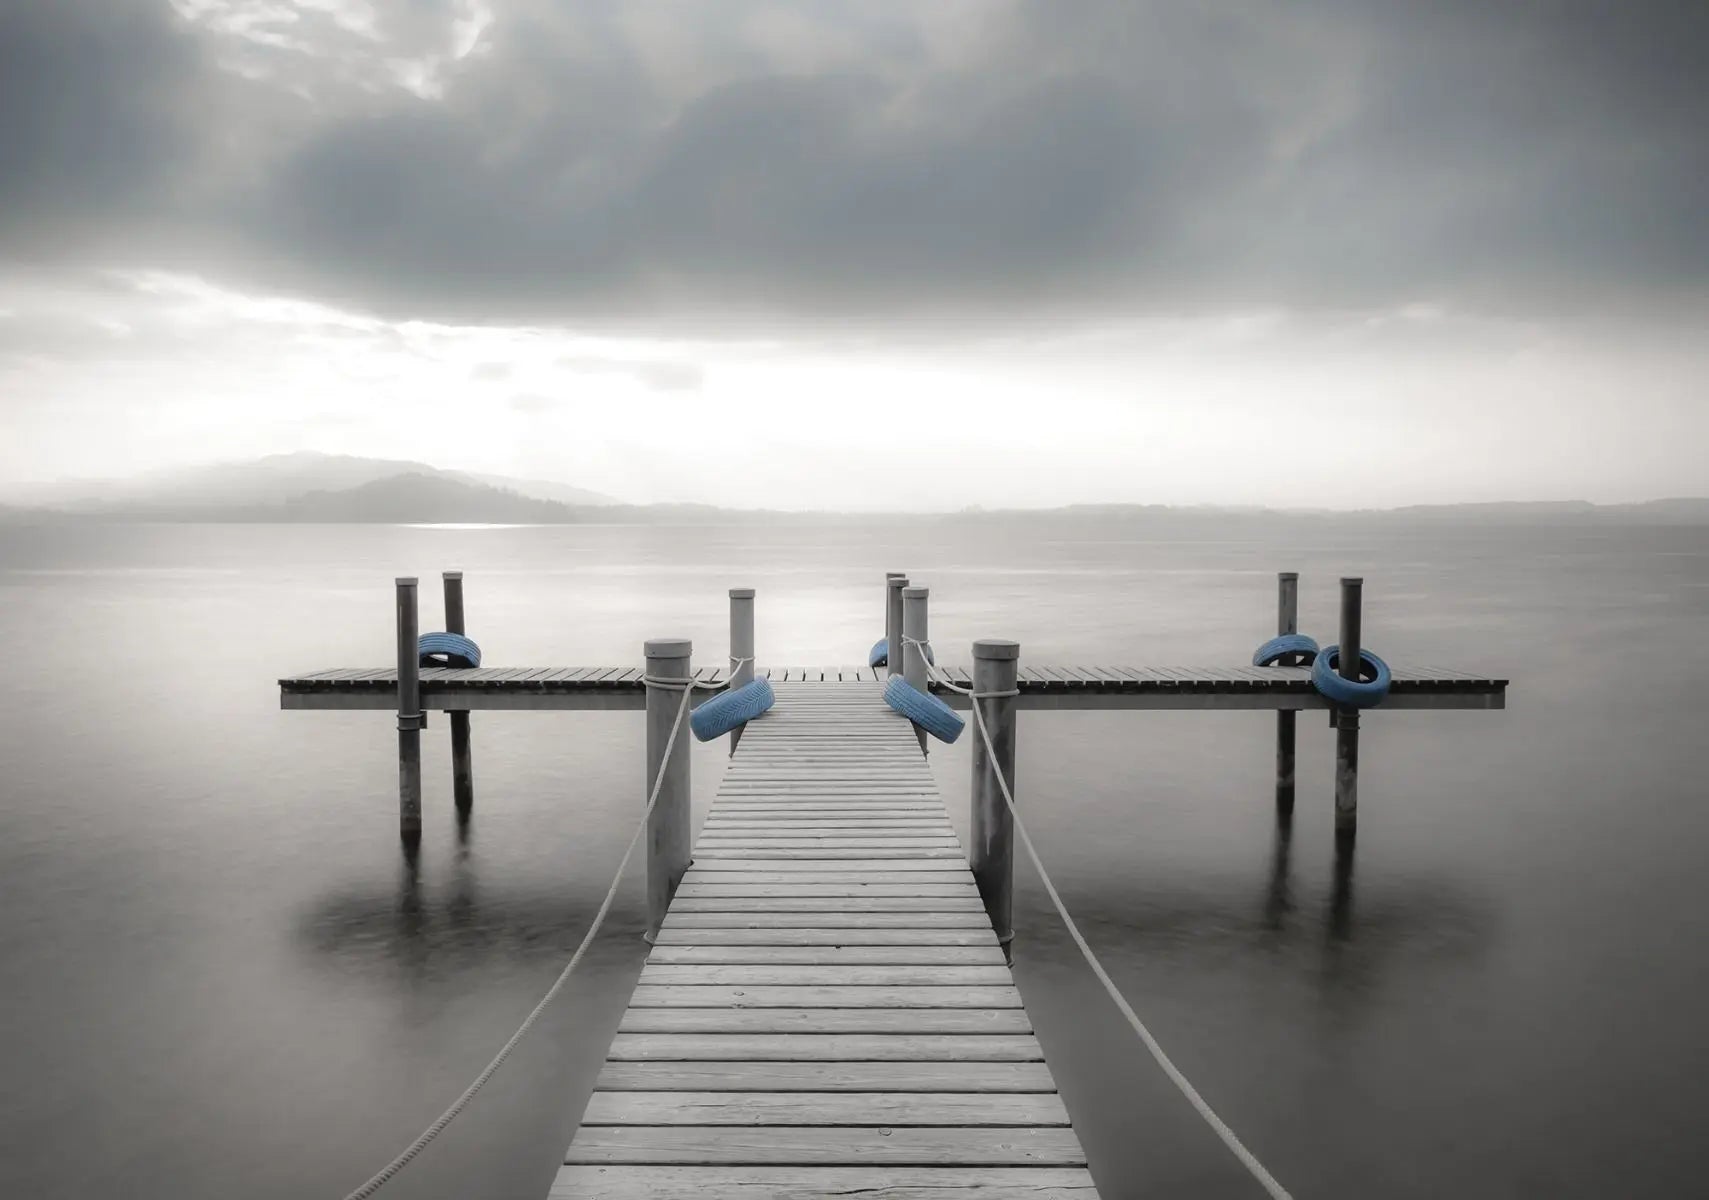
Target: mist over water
x,y
224,978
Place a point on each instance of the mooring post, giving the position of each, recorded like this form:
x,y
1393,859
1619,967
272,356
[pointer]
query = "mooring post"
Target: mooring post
x,y
462,761
995,667
914,631
741,647
409,713
1347,723
892,615
893,585
668,842
1287,621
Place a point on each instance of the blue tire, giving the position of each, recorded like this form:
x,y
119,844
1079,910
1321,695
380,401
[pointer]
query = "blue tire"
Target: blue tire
x,y
727,710
1272,652
926,711
879,655
448,650
1363,693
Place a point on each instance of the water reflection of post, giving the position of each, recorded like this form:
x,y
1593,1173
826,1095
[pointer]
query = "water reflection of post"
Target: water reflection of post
x,y
1341,893
1280,902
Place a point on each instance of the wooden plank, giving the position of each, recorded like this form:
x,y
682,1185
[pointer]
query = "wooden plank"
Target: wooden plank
x,y
827,1146
846,1109
737,844
742,902
917,976
792,895
822,995
795,1183
958,876
709,856
824,1047
825,1020
768,934
852,920
858,863
740,953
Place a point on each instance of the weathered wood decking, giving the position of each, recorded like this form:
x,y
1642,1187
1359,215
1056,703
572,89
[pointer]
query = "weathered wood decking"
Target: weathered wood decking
x,y
500,688
826,1010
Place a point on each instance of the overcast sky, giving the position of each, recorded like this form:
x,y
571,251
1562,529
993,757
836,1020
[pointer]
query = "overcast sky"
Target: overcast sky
x,y
867,254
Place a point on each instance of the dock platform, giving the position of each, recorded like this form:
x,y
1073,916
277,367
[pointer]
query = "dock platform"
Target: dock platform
x,y
826,1009
1070,687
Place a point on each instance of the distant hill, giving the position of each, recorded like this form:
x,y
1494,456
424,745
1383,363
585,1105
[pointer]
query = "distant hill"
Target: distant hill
x,y
308,487
278,480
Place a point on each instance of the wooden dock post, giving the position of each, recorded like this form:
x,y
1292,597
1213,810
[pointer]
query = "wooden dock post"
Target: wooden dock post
x,y
894,582
668,833
462,761
992,857
1347,719
1287,621
409,712
914,601
741,647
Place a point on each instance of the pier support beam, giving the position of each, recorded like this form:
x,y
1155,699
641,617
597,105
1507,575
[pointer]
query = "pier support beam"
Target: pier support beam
x,y
741,647
894,582
668,834
992,857
409,712
462,760
914,601
1287,621
1347,719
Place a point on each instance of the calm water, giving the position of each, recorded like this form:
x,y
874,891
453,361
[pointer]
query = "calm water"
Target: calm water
x,y
222,978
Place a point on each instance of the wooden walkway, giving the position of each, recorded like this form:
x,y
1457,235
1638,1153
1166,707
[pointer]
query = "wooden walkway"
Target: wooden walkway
x,y
826,1011
1071,687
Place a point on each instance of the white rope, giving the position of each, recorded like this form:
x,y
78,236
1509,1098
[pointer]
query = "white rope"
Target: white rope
x,y
686,686
1247,1158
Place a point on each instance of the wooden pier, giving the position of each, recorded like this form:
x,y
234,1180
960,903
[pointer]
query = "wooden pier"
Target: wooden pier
x,y
826,1009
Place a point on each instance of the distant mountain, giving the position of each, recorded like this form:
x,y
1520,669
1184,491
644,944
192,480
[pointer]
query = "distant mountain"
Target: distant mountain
x,y
277,480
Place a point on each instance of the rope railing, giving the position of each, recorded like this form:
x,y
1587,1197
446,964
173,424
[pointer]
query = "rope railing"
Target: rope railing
x,y
380,1178
1246,1158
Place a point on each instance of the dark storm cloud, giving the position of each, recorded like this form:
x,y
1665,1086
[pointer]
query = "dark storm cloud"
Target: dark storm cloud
x,y
660,164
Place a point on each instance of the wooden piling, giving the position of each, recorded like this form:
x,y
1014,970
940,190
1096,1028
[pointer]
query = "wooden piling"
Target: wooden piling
x,y
668,833
914,601
894,582
462,760
409,712
1347,719
992,857
741,647
1287,621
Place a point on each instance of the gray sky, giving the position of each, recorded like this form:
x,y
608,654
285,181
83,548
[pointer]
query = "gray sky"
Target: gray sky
x,y
867,254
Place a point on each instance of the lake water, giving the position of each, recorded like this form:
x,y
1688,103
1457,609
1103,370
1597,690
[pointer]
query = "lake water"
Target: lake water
x,y
223,978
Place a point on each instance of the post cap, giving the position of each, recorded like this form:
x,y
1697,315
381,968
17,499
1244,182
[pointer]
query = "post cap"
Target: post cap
x,y
895,574
669,647
915,593
406,580
896,581
1287,574
741,593
451,574
1352,581
996,648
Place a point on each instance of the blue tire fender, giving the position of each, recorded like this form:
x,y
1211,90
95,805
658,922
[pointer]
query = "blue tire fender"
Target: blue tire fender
x,y
1272,652
925,710
1368,690
448,650
727,710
